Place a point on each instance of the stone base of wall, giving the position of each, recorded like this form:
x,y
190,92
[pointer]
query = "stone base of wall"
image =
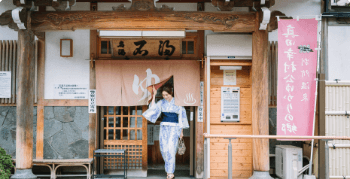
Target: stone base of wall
x,y
8,130
66,132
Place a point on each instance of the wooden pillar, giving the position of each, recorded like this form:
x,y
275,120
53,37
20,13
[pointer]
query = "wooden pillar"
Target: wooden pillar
x,y
322,101
199,127
25,100
260,111
40,104
92,116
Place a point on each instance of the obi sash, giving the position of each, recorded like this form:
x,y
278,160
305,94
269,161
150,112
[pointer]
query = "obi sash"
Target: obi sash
x,y
170,117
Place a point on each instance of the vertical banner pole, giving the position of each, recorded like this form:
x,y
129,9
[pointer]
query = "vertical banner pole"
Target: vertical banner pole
x,y
313,125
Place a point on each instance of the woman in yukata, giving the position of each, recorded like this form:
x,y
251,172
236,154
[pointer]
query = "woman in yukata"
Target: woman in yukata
x,y
174,120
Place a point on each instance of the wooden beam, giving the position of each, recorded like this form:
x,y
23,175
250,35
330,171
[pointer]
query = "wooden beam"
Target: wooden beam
x,y
273,25
225,22
40,104
6,20
260,110
223,5
25,100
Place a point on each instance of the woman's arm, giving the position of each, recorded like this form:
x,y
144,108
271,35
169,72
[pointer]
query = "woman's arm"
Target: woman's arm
x,y
154,96
154,110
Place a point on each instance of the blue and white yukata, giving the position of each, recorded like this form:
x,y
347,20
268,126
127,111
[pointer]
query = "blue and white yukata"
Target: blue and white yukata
x,y
174,120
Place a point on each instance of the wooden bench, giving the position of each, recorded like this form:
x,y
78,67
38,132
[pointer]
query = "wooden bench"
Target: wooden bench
x,y
54,164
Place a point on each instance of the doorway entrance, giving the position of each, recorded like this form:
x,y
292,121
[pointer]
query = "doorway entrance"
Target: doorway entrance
x,y
124,127
183,166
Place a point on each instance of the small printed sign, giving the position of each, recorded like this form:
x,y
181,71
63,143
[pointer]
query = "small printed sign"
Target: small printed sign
x,y
200,113
200,108
5,84
92,101
71,91
229,77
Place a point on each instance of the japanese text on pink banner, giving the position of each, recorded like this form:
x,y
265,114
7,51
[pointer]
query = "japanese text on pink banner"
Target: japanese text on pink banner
x,y
297,61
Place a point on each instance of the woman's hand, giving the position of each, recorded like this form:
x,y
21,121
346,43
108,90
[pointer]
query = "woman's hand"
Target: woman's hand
x,y
182,133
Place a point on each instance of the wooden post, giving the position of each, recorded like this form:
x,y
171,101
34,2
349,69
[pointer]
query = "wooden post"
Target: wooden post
x,y
92,116
322,101
260,112
25,100
199,141
40,105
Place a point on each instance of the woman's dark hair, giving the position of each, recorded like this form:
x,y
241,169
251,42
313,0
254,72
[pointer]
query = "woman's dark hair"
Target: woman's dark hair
x,y
168,89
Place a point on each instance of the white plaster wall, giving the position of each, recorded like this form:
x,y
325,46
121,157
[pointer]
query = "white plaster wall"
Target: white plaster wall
x,y
5,32
71,70
229,45
296,8
338,53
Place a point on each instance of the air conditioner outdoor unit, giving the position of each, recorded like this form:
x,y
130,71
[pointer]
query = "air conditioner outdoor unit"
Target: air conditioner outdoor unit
x,y
289,160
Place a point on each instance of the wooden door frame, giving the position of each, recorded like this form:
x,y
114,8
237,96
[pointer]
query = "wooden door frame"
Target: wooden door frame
x,y
100,138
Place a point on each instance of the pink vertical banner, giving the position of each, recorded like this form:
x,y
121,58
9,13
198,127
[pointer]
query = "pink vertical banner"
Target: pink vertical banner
x,y
297,63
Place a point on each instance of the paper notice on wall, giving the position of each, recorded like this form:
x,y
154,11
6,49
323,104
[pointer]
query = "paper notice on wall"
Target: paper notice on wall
x,y
71,91
229,77
5,84
92,101
150,137
156,132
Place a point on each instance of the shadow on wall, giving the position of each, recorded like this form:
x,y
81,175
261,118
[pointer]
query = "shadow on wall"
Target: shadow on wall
x,y
8,130
66,132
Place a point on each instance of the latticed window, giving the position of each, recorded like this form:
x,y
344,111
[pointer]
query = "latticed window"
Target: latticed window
x,y
125,128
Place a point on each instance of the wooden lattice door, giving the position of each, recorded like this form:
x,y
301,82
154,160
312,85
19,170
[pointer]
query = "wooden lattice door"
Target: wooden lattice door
x,y
124,127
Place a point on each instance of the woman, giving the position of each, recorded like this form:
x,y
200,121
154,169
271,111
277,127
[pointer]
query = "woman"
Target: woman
x,y
174,120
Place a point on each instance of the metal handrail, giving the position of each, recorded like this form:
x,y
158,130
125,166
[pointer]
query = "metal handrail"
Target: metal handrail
x,y
230,137
275,137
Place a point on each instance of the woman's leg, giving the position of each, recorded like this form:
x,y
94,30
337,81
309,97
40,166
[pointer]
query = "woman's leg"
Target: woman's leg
x,y
169,138
163,142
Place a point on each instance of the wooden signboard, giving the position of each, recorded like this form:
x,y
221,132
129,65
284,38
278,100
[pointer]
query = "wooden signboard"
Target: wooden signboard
x,y
146,48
